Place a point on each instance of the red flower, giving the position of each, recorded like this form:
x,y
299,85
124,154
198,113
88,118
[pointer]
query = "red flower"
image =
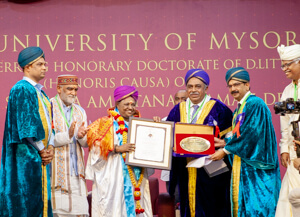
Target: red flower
x,y
138,211
121,131
121,122
117,116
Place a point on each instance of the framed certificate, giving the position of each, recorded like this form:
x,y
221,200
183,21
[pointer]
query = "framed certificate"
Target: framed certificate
x,y
153,143
193,140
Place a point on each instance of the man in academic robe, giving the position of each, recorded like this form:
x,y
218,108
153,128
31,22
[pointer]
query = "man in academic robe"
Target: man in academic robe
x,y
200,195
69,192
27,145
255,180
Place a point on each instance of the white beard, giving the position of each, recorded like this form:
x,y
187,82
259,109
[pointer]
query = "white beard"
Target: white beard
x,y
67,99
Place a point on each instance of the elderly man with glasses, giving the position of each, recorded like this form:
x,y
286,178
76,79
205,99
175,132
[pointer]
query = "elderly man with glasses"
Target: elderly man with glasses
x,y
200,195
290,57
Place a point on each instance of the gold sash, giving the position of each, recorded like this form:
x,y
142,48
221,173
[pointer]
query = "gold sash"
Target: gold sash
x,y
236,173
192,172
45,142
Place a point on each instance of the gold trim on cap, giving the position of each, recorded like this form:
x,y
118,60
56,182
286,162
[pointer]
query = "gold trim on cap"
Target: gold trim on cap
x,y
194,73
196,77
201,79
235,74
238,79
34,60
126,96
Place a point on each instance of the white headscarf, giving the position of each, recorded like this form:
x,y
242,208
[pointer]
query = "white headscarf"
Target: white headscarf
x,y
289,52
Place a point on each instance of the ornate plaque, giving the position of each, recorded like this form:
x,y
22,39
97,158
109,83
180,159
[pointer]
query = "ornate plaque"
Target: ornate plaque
x,y
195,144
193,140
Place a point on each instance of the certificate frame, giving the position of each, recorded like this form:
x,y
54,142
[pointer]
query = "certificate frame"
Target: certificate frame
x,y
162,132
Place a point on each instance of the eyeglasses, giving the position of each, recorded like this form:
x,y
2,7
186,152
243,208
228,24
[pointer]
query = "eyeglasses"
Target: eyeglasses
x,y
287,65
235,85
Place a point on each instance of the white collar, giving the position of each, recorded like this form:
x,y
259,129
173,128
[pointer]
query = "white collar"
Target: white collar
x,y
189,102
65,106
244,97
33,83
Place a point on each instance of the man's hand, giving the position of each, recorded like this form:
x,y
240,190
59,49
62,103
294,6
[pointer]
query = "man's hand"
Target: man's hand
x,y
285,159
219,143
72,129
297,163
82,131
156,119
218,155
47,155
125,148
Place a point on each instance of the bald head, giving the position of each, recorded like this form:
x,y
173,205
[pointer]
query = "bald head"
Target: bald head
x,y
180,96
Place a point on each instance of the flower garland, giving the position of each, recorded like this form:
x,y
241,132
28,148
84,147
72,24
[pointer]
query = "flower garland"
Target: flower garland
x,y
137,192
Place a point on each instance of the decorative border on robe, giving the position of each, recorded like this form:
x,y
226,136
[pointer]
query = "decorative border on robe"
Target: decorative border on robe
x,y
60,167
235,177
225,131
192,172
45,142
235,181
